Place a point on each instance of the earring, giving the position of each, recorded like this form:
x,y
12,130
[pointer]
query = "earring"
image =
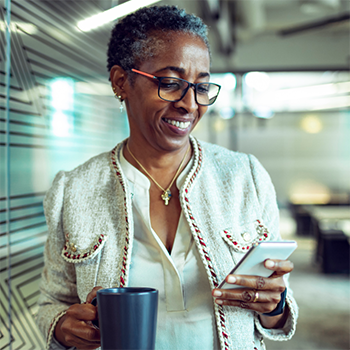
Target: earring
x,y
119,97
121,108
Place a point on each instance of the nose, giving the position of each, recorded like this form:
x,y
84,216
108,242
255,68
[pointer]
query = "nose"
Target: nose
x,y
188,102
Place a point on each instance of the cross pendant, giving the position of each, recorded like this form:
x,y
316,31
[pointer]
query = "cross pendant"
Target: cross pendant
x,y
166,195
121,107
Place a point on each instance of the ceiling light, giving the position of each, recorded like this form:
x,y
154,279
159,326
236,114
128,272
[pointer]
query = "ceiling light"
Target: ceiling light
x,y
62,94
318,6
311,124
20,27
307,92
258,80
60,124
229,81
331,103
113,13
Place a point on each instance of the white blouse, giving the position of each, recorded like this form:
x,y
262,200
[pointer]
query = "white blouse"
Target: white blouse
x,y
185,311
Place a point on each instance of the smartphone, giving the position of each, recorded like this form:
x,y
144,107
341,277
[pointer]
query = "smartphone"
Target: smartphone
x,y
252,262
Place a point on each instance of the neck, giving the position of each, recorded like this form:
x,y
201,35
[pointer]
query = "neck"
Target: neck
x,y
160,164
156,159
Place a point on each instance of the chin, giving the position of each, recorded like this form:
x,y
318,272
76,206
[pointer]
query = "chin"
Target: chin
x,y
174,144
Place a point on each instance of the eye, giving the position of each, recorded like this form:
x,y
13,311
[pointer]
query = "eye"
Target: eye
x,y
170,84
203,89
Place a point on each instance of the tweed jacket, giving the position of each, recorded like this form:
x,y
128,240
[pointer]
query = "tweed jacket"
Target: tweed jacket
x,y
228,201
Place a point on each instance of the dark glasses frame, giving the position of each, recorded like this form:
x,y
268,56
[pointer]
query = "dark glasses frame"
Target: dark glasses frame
x,y
195,86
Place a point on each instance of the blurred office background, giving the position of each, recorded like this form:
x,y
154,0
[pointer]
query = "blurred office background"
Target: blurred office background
x,y
284,68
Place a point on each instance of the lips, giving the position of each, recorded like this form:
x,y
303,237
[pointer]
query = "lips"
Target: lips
x,y
180,125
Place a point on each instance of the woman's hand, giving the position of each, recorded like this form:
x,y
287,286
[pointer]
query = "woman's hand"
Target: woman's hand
x,y
75,327
262,294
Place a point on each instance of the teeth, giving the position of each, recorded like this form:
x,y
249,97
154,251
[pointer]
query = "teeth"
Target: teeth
x,y
181,125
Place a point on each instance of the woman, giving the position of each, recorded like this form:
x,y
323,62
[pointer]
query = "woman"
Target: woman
x,y
162,209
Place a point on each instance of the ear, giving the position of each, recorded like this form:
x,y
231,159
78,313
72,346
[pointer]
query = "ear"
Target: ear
x,y
118,78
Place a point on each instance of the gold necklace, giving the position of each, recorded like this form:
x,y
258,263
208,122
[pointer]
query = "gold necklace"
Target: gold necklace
x,y
166,195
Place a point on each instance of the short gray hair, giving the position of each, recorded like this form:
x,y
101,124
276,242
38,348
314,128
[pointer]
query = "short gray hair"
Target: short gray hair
x,y
136,38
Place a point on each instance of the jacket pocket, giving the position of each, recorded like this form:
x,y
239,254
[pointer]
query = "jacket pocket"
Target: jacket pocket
x,y
74,252
241,238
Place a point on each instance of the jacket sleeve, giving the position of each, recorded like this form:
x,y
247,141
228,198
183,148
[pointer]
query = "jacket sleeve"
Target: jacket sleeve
x,y
58,287
270,215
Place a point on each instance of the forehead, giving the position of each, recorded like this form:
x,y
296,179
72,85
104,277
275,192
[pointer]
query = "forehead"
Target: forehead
x,y
178,49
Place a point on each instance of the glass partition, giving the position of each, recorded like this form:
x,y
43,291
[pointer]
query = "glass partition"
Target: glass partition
x,y
61,111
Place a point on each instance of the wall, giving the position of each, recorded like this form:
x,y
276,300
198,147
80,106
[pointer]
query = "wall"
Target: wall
x,y
295,159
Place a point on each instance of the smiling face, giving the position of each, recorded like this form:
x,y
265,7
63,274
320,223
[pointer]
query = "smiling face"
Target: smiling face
x,y
163,125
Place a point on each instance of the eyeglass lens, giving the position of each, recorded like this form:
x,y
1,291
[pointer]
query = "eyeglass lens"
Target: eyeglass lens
x,y
173,89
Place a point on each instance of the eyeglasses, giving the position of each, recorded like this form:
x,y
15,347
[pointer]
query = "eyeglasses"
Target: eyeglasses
x,y
174,89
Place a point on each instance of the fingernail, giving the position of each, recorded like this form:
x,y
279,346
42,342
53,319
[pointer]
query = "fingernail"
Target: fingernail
x,y
217,293
231,279
269,263
219,301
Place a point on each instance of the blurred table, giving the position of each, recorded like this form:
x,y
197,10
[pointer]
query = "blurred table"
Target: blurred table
x,y
329,212
331,228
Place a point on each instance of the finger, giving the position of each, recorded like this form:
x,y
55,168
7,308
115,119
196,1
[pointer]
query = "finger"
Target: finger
x,y
258,307
260,301
82,312
281,266
257,282
78,333
75,339
92,294
79,343
248,295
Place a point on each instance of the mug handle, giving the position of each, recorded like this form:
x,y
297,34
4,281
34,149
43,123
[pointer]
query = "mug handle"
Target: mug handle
x,y
95,322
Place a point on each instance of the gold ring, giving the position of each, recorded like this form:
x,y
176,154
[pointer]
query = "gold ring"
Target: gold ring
x,y
256,296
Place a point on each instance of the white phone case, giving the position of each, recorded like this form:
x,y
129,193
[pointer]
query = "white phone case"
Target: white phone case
x,y
252,262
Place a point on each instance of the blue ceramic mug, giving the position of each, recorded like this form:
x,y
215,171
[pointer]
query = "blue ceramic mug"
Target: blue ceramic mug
x,y
127,318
